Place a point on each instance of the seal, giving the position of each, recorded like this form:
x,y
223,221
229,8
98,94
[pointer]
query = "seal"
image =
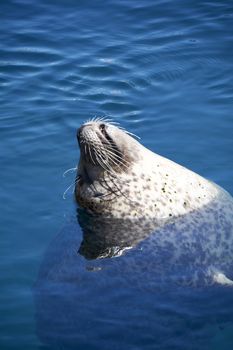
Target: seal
x,y
118,177
149,232
133,192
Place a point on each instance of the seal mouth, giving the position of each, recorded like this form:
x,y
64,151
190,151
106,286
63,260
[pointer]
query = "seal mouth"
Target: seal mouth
x,y
98,148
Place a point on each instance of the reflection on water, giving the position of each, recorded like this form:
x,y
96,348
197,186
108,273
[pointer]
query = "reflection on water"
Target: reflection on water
x,y
107,238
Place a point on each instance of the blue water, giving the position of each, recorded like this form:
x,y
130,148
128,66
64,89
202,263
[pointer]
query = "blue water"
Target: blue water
x,y
163,69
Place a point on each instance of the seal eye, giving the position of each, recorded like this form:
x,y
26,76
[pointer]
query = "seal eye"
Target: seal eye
x,y
102,128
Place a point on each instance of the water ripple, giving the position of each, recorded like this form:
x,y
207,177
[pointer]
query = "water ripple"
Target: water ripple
x,y
163,69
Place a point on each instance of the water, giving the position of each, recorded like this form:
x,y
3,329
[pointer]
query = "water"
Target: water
x,y
163,70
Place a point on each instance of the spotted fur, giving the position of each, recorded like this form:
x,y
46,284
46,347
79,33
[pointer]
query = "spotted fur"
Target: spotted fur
x,y
136,183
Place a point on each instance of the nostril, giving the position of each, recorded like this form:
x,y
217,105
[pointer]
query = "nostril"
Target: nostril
x,y
102,128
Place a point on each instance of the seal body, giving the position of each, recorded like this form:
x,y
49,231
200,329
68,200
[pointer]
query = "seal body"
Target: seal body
x,y
191,217
120,178
151,237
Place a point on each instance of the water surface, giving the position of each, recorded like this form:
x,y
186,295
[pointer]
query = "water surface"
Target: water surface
x,y
164,71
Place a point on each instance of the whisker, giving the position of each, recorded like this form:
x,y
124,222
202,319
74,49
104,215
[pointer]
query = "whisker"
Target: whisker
x,y
101,162
129,133
116,157
132,134
89,150
113,123
105,164
69,170
78,178
68,188
105,151
110,121
94,119
105,119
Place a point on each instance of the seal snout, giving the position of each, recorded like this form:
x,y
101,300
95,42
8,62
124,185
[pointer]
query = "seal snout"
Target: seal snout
x,y
97,128
84,131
